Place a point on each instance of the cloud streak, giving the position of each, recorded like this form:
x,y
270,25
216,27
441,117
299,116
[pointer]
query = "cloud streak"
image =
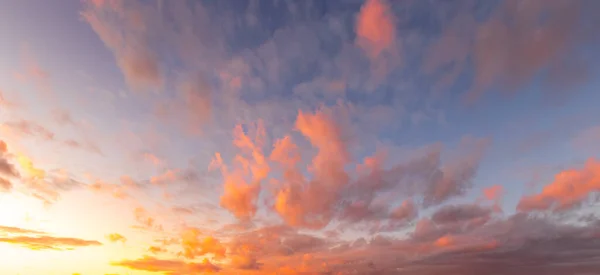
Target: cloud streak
x,y
36,240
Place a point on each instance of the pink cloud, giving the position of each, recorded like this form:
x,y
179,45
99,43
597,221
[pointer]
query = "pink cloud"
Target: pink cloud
x,y
569,189
375,28
512,47
493,193
123,29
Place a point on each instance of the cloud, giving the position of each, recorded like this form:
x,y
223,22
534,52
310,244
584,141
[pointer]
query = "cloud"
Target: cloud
x,y
406,211
63,117
242,183
124,29
524,245
3,147
460,213
145,219
493,193
32,71
152,159
17,230
36,240
156,249
30,128
375,28
46,242
512,47
29,169
168,267
44,185
261,248
5,102
195,246
7,168
5,185
309,203
196,95
569,189
456,176
116,237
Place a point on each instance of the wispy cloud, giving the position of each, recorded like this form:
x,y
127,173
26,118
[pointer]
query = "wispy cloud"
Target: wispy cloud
x,y
36,240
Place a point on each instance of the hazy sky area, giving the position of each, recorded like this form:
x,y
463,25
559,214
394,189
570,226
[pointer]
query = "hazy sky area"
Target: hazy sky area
x,y
410,137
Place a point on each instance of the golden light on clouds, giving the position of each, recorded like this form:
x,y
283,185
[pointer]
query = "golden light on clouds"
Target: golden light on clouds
x,y
146,137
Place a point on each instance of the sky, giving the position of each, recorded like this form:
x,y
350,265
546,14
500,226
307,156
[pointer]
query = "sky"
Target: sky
x,y
276,137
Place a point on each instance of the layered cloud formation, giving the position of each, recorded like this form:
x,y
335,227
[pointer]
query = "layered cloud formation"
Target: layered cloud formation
x,y
301,137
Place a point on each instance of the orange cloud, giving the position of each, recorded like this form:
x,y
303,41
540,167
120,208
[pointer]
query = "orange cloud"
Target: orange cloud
x,y
242,183
47,242
5,185
310,204
193,246
375,28
17,230
168,267
445,241
116,237
3,147
568,190
156,249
